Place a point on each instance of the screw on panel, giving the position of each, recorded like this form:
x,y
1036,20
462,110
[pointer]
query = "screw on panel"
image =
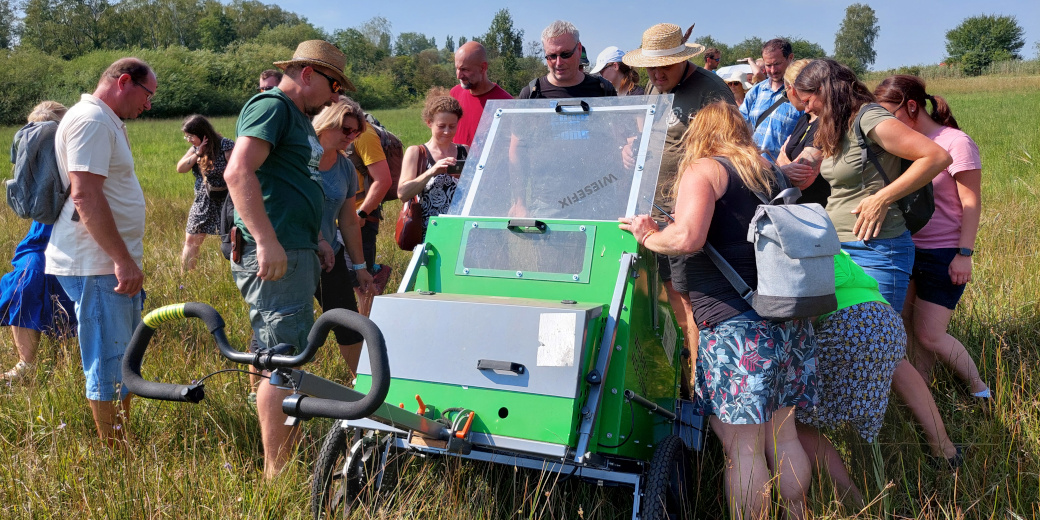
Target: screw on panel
x,y
433,222
465,271
519,274
617,347
498,113
480,166
581,228
613,391
575,278
610,435
475,224
640,167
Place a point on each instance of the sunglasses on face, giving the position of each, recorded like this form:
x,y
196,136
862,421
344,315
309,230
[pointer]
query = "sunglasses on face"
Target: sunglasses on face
x,y
350,132
564,55
264,89
333,83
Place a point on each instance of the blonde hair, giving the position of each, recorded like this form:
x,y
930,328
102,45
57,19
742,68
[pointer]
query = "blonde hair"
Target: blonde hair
x,y
334,115
47,111
793,70
718,130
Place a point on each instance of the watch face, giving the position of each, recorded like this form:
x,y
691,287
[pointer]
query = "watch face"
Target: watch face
x,y
965,251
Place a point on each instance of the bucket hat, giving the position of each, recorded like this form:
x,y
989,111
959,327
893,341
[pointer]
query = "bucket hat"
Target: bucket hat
x,y
663,44
322,54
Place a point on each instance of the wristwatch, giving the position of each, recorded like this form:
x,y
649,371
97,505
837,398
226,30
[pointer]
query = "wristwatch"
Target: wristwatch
x,y
964,251
358,267
362,213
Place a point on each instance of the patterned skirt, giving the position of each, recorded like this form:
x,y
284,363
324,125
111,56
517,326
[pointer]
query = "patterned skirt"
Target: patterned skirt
x,y
858,349
748,369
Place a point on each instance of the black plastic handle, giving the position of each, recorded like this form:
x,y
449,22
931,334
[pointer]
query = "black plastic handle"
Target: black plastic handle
x,y
319,332
504,366
572,103
527,225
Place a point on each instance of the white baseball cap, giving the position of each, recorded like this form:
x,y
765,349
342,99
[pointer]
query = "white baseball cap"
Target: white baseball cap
x,y
609,55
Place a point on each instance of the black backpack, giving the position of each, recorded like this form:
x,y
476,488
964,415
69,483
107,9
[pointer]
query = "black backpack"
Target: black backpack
x,y
918,206
535,86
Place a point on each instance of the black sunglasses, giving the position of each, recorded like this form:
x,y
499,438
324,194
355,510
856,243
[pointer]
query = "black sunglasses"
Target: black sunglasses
x,y
564,55
264,89
333,83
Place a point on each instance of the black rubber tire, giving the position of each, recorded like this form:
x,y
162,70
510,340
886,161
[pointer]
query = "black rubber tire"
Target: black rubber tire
x,y
327,474
665,495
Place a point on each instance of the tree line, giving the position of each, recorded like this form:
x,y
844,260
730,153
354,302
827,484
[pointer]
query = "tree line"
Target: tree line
x,y
208,55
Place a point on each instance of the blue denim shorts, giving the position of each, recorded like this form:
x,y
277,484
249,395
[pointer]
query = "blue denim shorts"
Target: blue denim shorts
x,y
281,311
931,276
887,260
107,321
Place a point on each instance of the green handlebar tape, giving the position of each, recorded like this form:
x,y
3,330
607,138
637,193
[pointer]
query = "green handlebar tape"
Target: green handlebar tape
x,y
164,314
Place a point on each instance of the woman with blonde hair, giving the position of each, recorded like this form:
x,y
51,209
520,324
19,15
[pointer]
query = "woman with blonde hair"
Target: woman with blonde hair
x,y
429,170
32,302
751,372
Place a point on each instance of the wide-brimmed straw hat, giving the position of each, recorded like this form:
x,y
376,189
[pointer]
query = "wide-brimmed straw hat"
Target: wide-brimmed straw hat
x,y
323,54
663,44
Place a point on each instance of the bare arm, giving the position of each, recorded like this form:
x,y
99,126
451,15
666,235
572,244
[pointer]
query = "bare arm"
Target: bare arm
x,y
701,185
380,173
969,189
190,159
929,159
89,197
244,189
350,228
410,185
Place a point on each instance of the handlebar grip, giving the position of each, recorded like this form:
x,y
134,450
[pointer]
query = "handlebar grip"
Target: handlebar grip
x,y
134,355
376,356
306,407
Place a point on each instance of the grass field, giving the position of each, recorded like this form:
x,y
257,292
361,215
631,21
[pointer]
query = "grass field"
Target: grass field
x,y
204,461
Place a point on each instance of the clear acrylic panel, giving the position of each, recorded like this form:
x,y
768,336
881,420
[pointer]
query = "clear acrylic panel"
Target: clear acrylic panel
x,y
558,159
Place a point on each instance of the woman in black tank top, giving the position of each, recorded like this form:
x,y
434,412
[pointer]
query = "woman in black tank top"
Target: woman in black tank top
x,y
751,372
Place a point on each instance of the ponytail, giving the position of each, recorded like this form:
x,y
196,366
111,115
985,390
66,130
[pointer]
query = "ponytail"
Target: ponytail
x,y
941,112
902,88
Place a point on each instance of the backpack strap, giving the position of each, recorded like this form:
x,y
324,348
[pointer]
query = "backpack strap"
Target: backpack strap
x,y
776,104
535,89
603,84
866,152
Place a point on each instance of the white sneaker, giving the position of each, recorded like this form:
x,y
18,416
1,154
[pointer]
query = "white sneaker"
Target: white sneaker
x,y
17,372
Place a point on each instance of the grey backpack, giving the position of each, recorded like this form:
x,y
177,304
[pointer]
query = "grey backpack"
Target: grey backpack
x,y
37,190
795,246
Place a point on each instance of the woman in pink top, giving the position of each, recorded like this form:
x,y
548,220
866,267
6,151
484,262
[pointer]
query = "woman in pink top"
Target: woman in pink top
x,y
944,247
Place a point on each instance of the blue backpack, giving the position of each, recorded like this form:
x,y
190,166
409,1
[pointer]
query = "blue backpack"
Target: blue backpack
x,y
37,191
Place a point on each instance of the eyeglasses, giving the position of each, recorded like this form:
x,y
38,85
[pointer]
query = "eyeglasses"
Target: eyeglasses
x,y
265,89
564,55
186,138
712,58
333,83
146,89
350,132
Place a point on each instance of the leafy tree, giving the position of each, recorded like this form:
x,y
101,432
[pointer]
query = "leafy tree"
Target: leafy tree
x,y
362,55
412,43
251,17
377,30
802,48
67,28
751,47
215,29
534,49
449,43
8,25
854,41
290,35
502,39
981,40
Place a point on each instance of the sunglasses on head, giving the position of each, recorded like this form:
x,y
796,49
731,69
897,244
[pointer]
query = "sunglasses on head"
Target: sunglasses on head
x,y
333,82
564,55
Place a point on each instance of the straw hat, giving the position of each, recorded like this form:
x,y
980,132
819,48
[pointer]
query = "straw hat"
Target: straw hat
x,y
663,44
323,54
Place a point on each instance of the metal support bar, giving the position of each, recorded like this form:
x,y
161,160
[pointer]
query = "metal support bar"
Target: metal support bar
x,y
418,258
649,405
606,347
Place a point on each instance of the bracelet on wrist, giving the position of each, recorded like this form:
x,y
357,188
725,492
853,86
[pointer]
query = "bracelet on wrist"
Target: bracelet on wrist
x,y
646,236
359,267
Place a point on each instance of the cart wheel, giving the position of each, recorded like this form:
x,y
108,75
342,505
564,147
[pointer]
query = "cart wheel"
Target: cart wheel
x,y
341,475
665,495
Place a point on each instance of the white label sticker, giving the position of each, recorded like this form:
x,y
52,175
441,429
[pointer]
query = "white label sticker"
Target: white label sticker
x,y
556,339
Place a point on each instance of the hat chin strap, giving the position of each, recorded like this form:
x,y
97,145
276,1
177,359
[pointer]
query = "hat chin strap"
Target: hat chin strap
x,y
661,53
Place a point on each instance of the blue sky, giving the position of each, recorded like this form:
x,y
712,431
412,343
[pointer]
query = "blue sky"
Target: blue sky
x,y
912,31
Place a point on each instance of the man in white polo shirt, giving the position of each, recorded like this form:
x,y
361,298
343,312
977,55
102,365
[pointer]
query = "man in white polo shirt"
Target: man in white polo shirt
x,y
97,245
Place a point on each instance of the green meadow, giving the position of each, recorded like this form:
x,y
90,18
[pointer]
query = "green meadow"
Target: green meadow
x,y
204,461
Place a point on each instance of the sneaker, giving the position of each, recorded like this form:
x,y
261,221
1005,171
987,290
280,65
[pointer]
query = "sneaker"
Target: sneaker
x,y
380,279
17,372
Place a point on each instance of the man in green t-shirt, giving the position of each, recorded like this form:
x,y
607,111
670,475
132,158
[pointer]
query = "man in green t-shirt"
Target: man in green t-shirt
x,y
273,179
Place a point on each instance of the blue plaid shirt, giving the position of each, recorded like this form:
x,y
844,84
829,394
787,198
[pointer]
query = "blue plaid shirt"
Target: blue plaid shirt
x,y
771,134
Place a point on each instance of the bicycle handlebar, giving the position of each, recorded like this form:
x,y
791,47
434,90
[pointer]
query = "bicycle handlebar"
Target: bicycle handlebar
x,y
194,393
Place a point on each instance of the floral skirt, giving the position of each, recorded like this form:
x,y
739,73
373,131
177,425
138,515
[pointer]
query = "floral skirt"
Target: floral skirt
x,y
748,369
858,349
